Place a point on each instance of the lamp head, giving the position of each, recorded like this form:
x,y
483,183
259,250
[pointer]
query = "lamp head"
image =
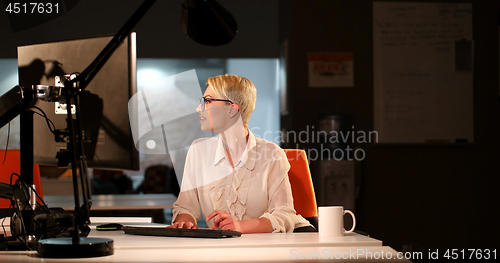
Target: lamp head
x,y
207,22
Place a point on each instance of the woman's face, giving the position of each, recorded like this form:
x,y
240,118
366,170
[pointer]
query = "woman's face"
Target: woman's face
x,y
215,117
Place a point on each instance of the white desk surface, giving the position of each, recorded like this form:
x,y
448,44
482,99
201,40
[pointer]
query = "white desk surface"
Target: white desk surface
x,y
116,202
123,241
221,254
248,248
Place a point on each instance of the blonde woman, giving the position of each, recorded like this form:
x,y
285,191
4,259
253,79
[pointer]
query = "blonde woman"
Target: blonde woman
x,y
238,181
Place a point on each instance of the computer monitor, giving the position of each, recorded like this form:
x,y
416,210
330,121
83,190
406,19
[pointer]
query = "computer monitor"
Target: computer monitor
x,y
108,142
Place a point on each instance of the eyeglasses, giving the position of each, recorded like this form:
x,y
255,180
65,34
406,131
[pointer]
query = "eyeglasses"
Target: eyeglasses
x,y
204,101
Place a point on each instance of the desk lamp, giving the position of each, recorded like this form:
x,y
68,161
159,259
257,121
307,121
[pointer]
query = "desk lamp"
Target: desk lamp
x,y
204,21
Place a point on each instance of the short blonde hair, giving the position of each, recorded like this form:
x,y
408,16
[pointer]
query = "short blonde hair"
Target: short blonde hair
x,y
239,90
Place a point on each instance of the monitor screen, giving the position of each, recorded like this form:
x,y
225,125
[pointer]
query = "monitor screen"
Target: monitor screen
x,y
104,114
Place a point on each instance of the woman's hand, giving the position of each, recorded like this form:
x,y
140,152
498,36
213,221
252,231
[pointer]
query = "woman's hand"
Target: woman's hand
x,y
184,221
224,221
187,225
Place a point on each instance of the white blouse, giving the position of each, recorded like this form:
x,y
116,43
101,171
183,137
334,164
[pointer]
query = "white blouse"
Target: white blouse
x,y
258,186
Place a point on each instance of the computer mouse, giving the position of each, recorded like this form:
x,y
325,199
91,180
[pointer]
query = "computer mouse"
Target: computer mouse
x,y
109,227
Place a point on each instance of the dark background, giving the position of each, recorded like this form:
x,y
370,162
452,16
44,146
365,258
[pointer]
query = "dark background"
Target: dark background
x,y
427,196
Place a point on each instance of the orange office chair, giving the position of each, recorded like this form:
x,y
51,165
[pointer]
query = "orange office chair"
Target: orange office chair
x,y
11,165
304,199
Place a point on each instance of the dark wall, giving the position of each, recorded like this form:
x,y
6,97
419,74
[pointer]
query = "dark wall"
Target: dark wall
x,y
159,33
427,196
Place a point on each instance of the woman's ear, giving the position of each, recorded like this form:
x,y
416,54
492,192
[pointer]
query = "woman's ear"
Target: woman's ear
x,y
234,110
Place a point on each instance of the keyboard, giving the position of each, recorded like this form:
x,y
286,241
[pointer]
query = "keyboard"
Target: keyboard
x,y
179,232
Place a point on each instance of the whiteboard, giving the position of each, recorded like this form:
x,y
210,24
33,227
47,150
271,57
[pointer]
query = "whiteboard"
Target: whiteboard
x,y
423,57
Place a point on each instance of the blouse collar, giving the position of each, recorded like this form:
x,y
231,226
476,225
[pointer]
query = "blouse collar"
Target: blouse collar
x,y
248,156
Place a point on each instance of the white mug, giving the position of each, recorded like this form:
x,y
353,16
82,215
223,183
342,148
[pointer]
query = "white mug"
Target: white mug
x,y
331,221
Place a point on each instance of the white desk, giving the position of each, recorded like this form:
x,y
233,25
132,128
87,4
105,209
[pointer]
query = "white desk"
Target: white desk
x,y
122,241
116,202
248,248
259,254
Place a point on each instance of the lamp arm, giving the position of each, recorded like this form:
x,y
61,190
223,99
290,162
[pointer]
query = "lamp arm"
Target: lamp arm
x,y
89,73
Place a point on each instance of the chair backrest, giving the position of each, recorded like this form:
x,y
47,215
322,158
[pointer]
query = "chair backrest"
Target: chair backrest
x,y
304,199
11,165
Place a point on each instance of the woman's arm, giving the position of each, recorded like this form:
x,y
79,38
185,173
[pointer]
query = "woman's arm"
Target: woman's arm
x,y
224,221
281,212
186,209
